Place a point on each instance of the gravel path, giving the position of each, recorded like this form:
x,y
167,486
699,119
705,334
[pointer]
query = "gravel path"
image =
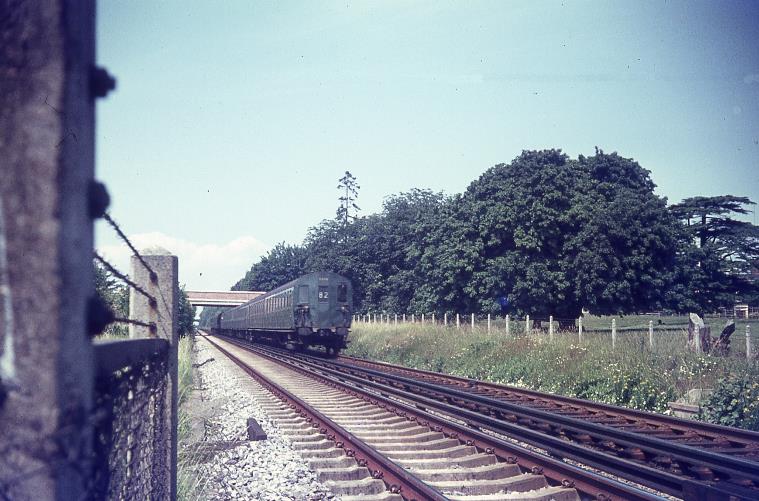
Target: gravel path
x,y
263,470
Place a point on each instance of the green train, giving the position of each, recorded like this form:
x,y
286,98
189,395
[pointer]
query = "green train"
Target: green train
x,y
313,310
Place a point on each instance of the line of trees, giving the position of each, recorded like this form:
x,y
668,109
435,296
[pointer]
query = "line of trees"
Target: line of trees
x,y
544,234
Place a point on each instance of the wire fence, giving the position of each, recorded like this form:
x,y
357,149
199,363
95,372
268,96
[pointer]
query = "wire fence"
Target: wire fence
x,y
134,458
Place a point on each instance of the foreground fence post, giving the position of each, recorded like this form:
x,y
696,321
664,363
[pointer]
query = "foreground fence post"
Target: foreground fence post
x,y
651,334
613,334
527,325
550,328
749,355
164,287
508,326
579,330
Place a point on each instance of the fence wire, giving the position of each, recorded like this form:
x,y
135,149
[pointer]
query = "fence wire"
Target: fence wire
x,y
126,240
132,440
124,278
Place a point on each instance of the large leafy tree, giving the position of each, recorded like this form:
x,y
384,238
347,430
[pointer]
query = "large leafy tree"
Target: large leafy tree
x,y
723,251
282,264
554,235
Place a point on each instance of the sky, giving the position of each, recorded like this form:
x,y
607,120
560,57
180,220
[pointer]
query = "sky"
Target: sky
x,y
232,121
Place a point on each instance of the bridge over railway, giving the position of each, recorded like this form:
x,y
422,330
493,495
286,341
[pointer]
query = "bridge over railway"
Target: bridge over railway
x,y
221,298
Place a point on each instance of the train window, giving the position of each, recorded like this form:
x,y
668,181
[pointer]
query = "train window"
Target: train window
x,y
303,294
342,293
323,294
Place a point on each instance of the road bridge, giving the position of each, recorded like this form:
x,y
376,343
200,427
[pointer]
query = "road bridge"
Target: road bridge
x,y
221,298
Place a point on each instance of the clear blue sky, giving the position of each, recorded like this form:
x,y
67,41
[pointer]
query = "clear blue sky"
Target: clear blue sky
x,y
233,121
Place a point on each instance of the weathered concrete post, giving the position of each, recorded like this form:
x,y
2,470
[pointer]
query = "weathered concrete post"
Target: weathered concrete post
x,y
47,118
508,326
527,325
164,313
579,330
550,328
651,334
749,355
613,334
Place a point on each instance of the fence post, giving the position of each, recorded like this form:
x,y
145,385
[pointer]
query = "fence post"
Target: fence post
x,y
433,319
488,323
395,319
527,325
550,328
749,355
508,326
422,318
579,330
445,319
404,318
472,322
46,355
651,333
613,334
164,286
458,322
413,318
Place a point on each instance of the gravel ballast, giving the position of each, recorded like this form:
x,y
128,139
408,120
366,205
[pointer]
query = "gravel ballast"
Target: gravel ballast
x,y
232,467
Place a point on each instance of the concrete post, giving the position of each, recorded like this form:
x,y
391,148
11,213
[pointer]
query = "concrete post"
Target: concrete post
x,y
47,112
404,318
651,334
613,334
579,330
508,326
164,313
527,325
413,318
458,322
488,323
422,318
550,328
445,319
472,322
433,319
749,354
395,319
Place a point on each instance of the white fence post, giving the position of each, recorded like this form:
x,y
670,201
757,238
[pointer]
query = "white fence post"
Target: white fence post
x,y
651,333
579,330
445,319
527,325
422,318
413,318
550,328
488,323
404,318
396,319
749,355
613,334
433,319
472,322
458,321
508,326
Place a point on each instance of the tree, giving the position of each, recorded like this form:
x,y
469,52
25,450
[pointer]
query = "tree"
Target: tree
x,y
554,236
721,251
186,315
280,265
114,293
347,211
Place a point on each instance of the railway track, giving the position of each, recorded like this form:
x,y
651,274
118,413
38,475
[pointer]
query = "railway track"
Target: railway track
x,y
689,460
353,435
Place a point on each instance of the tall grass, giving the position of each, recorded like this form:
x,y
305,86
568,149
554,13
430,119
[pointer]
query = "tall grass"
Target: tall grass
x,y
633,374
189,481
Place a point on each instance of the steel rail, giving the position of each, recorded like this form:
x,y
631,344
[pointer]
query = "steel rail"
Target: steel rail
x,y
701,464
561,473
396,478
710,430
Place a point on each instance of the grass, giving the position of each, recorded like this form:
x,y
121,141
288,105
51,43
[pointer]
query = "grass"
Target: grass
x,y
189,482
633,374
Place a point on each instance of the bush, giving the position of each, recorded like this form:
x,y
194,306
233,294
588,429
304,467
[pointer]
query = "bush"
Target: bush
x,y
735,402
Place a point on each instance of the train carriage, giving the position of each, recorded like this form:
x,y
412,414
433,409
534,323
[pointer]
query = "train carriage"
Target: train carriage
x,y
313,310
